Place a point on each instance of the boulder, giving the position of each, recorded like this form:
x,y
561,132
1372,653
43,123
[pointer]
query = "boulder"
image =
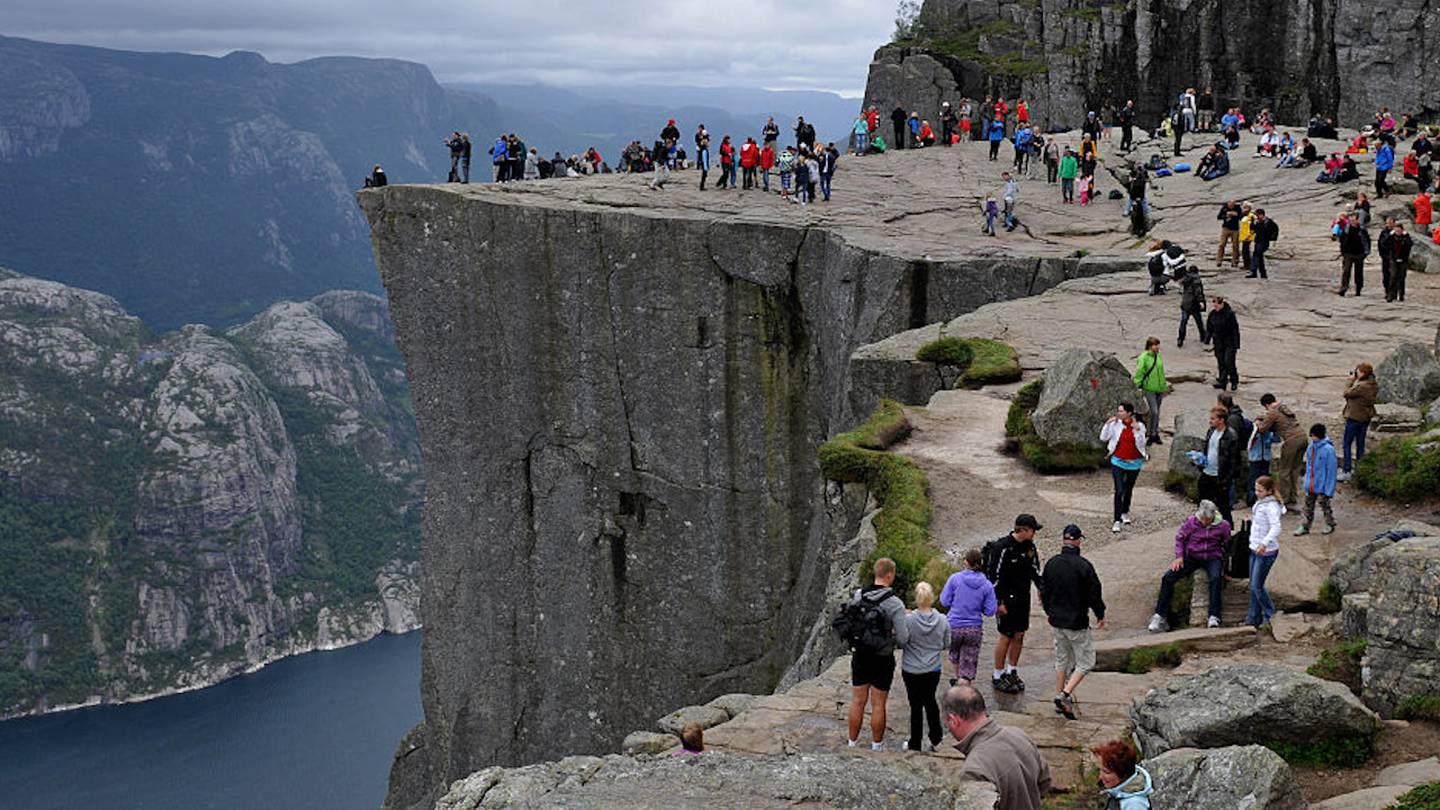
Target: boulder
x,y
1409,376
1432,412
1392,418
648,742
1294,582
1189,435
1350,573
733,704
1402,652
1365,799
1233,704
1354,610
1249,776
1082,388
1409,774
706,716
717,779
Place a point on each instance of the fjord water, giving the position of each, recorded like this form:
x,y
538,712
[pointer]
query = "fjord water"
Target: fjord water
x,y
314,732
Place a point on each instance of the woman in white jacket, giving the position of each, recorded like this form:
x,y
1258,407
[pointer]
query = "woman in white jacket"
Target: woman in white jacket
x,y
1264,549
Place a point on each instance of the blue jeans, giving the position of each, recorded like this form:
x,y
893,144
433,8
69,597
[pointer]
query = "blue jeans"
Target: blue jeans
x,y
825,186
1124,488
1261,608
1185,316
1214,569
1355,434
765,178
859,143
1009,215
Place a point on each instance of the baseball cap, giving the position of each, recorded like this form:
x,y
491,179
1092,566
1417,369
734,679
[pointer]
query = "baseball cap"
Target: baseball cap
x,y
1073,531
1027,522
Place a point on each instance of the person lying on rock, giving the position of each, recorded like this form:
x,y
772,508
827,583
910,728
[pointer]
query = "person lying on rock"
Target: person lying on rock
x,y
1200,544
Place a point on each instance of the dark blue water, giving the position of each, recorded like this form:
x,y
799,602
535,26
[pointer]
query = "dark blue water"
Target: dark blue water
x,y
315,732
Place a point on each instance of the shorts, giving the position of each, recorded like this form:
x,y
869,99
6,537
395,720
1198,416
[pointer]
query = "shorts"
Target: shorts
x,y
1074,650
874,671
1017,617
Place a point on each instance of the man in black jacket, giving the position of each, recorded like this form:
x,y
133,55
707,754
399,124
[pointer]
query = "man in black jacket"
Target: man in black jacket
x,y
1012,564
1127,125
1400,246
948,123
804,135
1354,247
1384,245
670,133
1224,331
771,131
898,119
1266,232
1218,472
1071,591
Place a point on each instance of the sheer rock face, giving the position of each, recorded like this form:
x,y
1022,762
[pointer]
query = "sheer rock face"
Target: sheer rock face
x,y
1402,652
1333,57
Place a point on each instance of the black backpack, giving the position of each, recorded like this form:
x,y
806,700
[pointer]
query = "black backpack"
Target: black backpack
x,y
989,554
863,625
1237,556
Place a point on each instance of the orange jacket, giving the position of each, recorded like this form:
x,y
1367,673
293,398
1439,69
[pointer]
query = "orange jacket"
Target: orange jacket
x,y
1423,212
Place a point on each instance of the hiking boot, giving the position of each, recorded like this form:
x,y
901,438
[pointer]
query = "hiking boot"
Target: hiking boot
x,y
1065,704
1329,529
1213,623
1002,685
1157,624
1302,530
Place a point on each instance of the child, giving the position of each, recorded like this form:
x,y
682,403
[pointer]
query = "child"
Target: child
x,y
968,597
802,178
920,667
1319,481
1087,189
1264,549
787,165
992,210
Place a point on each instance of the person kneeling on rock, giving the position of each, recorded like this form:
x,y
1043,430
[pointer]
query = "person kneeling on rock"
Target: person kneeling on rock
x,y
1200,544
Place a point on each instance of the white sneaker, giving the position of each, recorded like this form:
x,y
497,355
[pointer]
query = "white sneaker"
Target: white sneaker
x,y
1213,623
852,743
874,746
928,747
1116,527
1125,518
1157,624
1342,476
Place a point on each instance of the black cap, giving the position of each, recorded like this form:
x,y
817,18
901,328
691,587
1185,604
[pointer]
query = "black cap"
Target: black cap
x,y
1072,531
1027,522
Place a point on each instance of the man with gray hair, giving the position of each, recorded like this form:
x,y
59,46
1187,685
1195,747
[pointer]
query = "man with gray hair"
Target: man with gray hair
x,y
1004,757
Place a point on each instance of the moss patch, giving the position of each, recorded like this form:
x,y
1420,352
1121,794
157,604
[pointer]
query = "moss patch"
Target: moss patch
x,y
1144,659
1332,752
1419,707
1397,468
1180,599
1020,438
1340,663
902,527
1424,797
1328,599
1186,486
981,361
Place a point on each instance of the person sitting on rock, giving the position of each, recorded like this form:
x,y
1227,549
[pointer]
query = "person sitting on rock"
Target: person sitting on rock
x,y
1002,756
377,178
1200,544
1125,783
1214,165
926,134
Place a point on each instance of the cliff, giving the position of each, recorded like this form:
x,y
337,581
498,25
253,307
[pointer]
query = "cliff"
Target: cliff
x,y
177,509
202,189
619,395
1333,57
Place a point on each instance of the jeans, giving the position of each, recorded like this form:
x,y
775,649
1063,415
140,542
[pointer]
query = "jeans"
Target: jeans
x,y
994,149
1257,261
1214,570
765,179
920,689
859,143
1355,431
1185,316
1124,489
1152,427
1225,360
990,224
825,186
1010,215
1261,608
1067,189
1347,263
1130,204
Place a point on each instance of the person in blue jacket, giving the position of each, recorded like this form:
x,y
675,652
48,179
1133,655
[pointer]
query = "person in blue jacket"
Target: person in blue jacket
x,y
1319,480
1023,138
996,134
1384,162
1125,783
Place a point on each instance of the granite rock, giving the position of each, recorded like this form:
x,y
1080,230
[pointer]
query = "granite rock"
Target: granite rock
x,y
1241,777
1410,375
1402,652
1082,389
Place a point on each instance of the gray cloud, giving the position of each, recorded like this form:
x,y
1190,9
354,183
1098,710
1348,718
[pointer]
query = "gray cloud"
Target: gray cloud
x,y
798,44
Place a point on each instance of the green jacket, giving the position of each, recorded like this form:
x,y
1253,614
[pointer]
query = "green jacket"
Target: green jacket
x,y
1150,373
1069,167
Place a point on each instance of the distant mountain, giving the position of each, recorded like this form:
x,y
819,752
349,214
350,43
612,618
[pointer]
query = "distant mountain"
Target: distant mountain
x,y
177,508
200,189
570,120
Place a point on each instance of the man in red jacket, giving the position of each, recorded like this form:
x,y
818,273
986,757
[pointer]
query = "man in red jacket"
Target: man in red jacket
x,y
767,162
749,159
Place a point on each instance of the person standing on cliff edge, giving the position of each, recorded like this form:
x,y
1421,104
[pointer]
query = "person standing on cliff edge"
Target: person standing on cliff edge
x,y
702,154
872,671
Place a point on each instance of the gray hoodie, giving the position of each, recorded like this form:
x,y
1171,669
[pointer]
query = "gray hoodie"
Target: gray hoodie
x,y
929,636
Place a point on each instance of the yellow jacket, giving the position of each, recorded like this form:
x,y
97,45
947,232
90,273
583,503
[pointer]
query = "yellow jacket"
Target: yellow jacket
x,y
1246,234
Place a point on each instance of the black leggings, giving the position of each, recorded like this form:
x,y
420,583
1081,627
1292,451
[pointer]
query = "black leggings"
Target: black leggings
x,y
920,690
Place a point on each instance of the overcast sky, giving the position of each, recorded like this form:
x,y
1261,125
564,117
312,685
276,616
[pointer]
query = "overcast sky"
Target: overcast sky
x,y
795,44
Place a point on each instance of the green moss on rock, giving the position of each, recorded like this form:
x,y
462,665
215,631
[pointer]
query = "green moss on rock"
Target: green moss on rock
x,y
981,361
1403,468
1340,663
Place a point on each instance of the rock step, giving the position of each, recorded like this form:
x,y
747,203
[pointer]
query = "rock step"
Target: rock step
x,y
1114,655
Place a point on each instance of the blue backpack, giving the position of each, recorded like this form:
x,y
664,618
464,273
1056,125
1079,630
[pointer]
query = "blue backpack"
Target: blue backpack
x,y
1182,167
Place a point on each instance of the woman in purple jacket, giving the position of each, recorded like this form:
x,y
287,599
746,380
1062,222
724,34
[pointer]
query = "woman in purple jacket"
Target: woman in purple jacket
x,y
968,597
1200,543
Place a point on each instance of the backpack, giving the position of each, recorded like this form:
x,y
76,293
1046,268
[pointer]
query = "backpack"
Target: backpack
x,y
989,556
1162,172
863,625
1237,555
1117,194
1182,167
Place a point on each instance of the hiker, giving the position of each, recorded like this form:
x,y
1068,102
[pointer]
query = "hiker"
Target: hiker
x,y
1264,549
1281,419
1236,421
377,178
1224,330
702,154
1150,379
898,117
872,659
1354,247
1012,565
967,598
1247,235
770,133
457,148
1199,544
804,134
1125,441
1071,593
669,132
1319,481
532,164
914,124
1192,303
929,636
827,161
1051,156
1217,472
1384,162
1229,217
1127,125
767,164
1384,246
1022,149
859,132
692,740
786,165
1068,170
1164,261
1266,232
1360,410
803,170
727,164
996,134
1010,195
1401,246
1125,783
749,161
1424,211
948,123
1259,454
662,176
465,152
991,211
1135,196
1001,756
